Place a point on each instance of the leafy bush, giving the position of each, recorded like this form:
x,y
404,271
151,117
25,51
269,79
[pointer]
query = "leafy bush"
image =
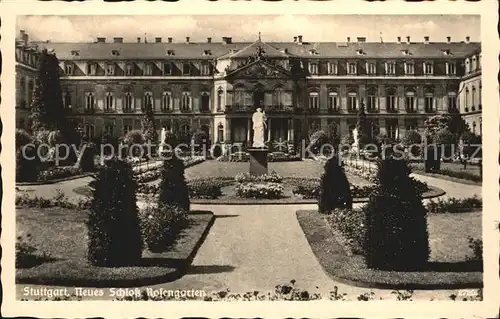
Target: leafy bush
x,y
27,164
396,237
282,157
24,252
307,188
87,163
316,140
350,225
149,176
334,191
22,138
454,205
173,187
199,138
476,245
208,188
272,177
458,174
54,173
161,225
113,222
259,190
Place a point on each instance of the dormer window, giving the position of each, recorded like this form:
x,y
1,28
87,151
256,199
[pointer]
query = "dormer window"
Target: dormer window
x,y
313,67
186,68
207,52
352,68
110,69
75,53
92,68
360,51
405,52
170,52
451,68
313,52
167,68
428,68
390,68
409,68
129,69
447,52
68,69
205,69
115,52
148,69
371,68
332,68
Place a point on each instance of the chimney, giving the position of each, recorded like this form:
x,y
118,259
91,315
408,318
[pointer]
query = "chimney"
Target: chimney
x,y
209,40
118,40
227,40
294,39
426,39
299,39
408,40
361,39
448,39
348,39
157,40
138,39
399,39
169,40
24,36
187,39
101,40
467,39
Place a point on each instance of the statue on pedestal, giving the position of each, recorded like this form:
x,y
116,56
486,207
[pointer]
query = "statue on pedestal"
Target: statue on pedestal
x,y
259,125
162,139
355,145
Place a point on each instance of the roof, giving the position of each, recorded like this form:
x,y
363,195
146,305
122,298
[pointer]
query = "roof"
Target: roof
x,y
127,51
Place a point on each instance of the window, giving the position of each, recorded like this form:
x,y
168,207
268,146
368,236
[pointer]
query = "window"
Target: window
x,y
371,68
207,52
205,69
220,133
167,68
89,131
185,129
352,101
466,98
313,67
205,102
129,69
148,69
148,101
126,128
109,102
109,129
428,68
186,101
390,68
31,85
474,127
392,130
450,68
473,96
128,104
371,101
452,100
89,101
68,69
409,68
410,101
429,102
391,102
314,100
332,68
92,68
333,101
110,69
166,101
473,65
186,68
352,68
219,99
67,100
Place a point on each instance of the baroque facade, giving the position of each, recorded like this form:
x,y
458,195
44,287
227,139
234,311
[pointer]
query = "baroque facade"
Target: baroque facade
x,y
216,86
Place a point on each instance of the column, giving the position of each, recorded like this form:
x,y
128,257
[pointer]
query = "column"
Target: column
x,y
269,132
401,126
343,128
323,97
382,127
249,129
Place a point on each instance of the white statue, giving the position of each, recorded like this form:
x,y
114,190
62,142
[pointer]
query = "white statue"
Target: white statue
x,y
355,145
259,125
162,139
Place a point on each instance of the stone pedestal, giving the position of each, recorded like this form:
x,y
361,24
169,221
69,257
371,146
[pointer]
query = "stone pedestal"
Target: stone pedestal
x,y
258,160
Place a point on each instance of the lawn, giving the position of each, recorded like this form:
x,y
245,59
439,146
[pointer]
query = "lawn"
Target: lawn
x,y
447,268
62,235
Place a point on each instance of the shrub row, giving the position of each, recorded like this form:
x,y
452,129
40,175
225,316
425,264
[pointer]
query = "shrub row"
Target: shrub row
x,y
272,177
259,190
59,200
454,205
54,173
271,157
206,188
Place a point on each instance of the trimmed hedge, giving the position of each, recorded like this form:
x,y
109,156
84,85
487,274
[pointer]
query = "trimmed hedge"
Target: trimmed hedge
x,y
454,205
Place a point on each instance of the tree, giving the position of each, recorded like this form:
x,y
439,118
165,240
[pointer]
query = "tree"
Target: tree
x,y
148,126
362,126
396,234
335,191
173,187
135,141
411,139
113,223
316,140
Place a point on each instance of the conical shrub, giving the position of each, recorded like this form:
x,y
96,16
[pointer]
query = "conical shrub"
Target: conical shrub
x,y
173,186
113,224
396,235
334,190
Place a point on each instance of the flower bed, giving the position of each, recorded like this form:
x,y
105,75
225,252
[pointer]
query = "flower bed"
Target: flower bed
x,y
273,177
282,157
454,205
206,188
54,173
259,190
369,175
306,188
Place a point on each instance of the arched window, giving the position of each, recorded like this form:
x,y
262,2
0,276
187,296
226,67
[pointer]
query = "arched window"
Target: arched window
x,y
333,101
67,100
166,101
474,127
148,101
205,101
452,100
391,101
110,101
466,99
219,99
410,101
474,64
89,131
186,101
314,100
473,97
89,101
128,104
371,99
352,101
467,66
220,133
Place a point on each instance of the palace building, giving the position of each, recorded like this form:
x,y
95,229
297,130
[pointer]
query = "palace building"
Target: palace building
x,y
216,86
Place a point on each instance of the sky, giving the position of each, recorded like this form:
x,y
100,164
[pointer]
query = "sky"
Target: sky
x,y
314,28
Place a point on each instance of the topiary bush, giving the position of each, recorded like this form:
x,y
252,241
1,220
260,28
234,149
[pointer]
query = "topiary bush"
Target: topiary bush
x,y
316,140
113,224
173,187
334,191
396,236
27,164
87,163
161,225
